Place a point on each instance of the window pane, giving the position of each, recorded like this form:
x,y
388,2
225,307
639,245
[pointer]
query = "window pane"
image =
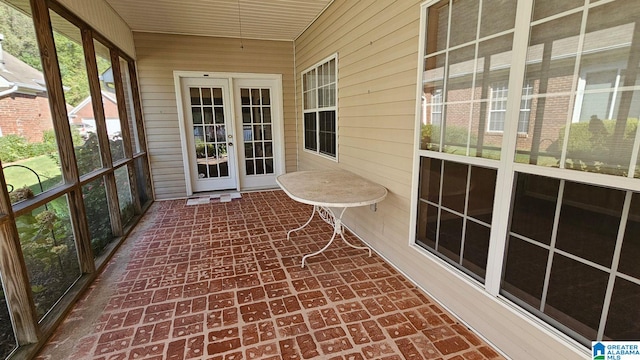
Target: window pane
x,y
427,225
497,16
450,235
481,193
454,186
124,194
68,40
623,321
7,337
131,113
545,8
576,294
534,207
524,271
327,132
97,208
438,26
476,248
589,222
464,12
430,179
310,131
109,101
28,147
49,252
142,177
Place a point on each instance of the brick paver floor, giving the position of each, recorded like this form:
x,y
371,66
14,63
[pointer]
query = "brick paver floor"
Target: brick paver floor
x,y
220,281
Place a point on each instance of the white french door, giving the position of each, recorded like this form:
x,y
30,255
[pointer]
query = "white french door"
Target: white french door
x,y
232,127
209,134
257,115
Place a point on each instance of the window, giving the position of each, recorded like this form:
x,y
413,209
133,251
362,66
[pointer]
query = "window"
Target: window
x,y
498,111
319,94
566,254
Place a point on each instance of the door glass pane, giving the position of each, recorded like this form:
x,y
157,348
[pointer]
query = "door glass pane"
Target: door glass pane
x,y
28,146
124,195
97,208
258,153
209,132
49,251
7,337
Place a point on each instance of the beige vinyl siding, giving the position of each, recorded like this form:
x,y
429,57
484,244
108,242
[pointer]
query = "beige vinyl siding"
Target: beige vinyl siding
x,y
377,45
105,20
159,55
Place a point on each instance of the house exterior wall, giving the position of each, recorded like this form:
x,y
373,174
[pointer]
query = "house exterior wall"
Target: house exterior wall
x,y
101,16
377,45
159,55
24,115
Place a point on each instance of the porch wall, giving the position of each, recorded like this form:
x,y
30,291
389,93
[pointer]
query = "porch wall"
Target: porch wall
x,y
158,55
377,45
105,20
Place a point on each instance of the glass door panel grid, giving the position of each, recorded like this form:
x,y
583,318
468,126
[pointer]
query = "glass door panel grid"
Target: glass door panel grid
x,y
209,132
257,130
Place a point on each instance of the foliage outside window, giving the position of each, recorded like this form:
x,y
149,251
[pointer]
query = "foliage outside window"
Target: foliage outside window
x,y
319,94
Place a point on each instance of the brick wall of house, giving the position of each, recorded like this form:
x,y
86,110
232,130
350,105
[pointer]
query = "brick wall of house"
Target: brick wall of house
x,y
25,115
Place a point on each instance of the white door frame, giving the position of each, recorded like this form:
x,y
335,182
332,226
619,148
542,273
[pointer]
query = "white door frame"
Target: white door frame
x,y
278,129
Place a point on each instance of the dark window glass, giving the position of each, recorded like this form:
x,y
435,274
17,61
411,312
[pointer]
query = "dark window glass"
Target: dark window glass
x,y
327,132
524,271
454,186
576,294
430,179
534,207
450,238
623,321
630,255
427,224
589,222
481,193
476,248
310,132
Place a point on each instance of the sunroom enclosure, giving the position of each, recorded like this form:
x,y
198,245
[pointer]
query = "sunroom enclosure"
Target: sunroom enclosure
x,y
67,199
533,192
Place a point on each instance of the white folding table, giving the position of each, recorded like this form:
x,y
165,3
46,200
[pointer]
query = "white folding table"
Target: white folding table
x,y
330,193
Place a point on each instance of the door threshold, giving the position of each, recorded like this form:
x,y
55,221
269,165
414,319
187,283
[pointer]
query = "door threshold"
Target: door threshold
x,y
223,196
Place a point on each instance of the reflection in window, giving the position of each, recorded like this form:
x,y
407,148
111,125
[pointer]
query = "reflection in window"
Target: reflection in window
x,y
319,104
455,212
48,246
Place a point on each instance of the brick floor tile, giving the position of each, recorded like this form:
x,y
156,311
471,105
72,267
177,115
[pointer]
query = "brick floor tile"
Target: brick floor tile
x,y
221,281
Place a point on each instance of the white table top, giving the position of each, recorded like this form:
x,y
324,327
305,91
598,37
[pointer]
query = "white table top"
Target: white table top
x,y
335,188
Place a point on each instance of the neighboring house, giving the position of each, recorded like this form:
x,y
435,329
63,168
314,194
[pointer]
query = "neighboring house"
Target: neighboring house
x,y
24,105
83,118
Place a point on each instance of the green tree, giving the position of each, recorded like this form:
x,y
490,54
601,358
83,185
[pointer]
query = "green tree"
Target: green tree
x,y
19,36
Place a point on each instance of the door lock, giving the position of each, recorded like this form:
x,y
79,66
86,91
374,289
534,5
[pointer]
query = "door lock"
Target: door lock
x,y
230,144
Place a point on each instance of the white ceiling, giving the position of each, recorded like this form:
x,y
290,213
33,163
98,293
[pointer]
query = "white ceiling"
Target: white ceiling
x,y
250,19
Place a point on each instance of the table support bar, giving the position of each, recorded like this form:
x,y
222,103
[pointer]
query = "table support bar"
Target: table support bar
x,y
329,216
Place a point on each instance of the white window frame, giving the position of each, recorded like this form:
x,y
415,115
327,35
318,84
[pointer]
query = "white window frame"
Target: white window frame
x,y
525,105
317,109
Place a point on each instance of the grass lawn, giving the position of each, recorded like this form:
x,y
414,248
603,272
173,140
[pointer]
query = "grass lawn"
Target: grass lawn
x,y
43,165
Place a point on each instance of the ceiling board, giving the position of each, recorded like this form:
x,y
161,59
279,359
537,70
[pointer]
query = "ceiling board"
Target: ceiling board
x,y
250,19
